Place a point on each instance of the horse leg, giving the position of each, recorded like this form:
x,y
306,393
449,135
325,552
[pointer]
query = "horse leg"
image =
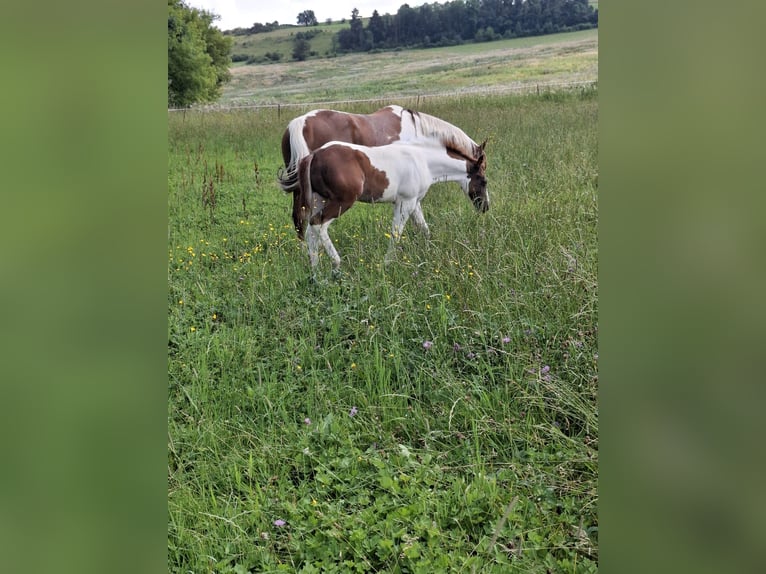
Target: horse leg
x,y
312,242
419,220
402,211
329,248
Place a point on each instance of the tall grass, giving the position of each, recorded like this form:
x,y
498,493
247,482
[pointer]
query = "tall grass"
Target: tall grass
x,y
437,414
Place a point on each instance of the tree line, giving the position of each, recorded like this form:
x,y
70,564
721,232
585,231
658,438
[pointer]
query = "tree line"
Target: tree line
x,y
461,21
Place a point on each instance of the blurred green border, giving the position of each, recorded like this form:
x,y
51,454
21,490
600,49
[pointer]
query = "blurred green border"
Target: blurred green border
x,y
83,263
84,286
681,286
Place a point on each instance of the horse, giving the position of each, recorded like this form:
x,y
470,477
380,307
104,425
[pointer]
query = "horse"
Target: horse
x,y
332,178
310,131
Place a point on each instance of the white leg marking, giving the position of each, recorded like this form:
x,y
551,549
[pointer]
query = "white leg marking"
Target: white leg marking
x,y
327,243
402,211
419,220
312,242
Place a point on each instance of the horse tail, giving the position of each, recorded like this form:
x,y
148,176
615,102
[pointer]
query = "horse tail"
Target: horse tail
x,y
298,149
302,195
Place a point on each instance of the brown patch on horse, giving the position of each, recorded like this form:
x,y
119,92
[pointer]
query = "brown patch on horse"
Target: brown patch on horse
x,y
379,128
327,192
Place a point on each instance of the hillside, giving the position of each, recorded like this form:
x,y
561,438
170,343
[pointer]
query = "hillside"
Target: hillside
x,y
256,46
424,26
504,65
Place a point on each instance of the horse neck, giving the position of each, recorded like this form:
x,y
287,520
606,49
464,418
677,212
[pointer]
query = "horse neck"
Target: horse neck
x,y
442,166
436,129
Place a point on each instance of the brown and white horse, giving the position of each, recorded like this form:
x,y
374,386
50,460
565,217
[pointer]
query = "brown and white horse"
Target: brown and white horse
x,y
312,130
334,177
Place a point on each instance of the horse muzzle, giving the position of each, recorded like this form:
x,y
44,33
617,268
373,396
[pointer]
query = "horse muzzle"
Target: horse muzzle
x,y
481,204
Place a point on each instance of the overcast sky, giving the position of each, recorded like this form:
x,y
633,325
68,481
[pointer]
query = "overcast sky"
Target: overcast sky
x,y
244,13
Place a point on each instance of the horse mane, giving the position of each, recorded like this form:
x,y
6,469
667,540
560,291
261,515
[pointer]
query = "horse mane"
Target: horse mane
x,y
450,136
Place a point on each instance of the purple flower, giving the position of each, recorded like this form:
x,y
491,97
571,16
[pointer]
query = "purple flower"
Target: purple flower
x,y
352,412
307,421
545,369
506,340
456,347
427,345
471,355
279,522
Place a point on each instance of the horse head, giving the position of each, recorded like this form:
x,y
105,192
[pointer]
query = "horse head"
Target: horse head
x,y
477,180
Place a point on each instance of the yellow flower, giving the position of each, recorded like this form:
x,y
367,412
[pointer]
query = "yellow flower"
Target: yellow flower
x,y
353,365
313,502
193,329
180,301
447,297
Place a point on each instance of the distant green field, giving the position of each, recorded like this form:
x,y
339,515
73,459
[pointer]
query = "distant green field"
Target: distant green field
x,y
280,41
516,63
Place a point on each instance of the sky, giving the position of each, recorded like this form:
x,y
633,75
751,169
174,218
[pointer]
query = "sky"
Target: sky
x,y
244,13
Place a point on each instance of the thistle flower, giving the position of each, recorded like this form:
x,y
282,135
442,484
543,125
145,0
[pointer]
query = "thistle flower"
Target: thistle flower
x,y
352,412
279,522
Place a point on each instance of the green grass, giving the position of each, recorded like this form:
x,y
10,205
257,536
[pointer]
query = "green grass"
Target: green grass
x,y
478,454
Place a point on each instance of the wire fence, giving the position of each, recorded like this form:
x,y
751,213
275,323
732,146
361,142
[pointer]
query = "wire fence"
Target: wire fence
x,y
416,98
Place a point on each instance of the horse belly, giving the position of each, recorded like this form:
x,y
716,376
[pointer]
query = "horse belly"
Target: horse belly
x,y
378,195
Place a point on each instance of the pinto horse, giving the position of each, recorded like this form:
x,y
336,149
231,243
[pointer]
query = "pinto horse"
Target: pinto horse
x,y
312,130
332,178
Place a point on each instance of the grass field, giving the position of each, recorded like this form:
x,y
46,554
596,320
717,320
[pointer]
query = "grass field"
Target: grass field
x,y
504,64
437,414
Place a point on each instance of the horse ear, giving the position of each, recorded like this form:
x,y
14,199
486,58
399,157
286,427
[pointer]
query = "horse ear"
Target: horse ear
x,y
481,147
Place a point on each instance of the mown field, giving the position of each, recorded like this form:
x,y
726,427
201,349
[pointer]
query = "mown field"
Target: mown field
x,y
437,414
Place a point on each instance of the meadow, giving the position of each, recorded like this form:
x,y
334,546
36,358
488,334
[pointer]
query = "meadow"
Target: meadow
x,y
510,65
436,414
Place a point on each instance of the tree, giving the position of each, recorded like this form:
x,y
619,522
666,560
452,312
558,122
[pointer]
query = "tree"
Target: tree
x,y
301,48
355,37
377,28
199,56
307,18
